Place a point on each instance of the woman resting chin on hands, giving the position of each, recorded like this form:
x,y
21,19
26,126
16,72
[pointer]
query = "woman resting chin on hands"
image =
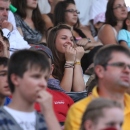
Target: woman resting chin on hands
x,y
66,58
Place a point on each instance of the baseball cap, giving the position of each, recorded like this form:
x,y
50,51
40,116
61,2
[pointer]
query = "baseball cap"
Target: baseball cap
x,y
99,18
43,48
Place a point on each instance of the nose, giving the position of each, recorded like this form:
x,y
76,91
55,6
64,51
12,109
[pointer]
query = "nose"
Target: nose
x,y
5,13
43,83
69,42
126,69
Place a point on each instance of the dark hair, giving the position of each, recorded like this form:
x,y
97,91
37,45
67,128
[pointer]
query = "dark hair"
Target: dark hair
x,y
124,23
4,61
37,19
95,109
110,17
104,55
59,12
24,60
59,59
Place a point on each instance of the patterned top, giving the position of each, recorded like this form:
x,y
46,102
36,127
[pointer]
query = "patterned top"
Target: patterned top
x,y
7,122
30,35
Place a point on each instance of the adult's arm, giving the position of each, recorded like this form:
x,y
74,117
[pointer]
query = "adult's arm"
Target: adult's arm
x,y
78,81
67,79
106,35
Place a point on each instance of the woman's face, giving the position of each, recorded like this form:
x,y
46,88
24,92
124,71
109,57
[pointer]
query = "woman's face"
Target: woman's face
x,y
64,38
32,4
71,15
120,10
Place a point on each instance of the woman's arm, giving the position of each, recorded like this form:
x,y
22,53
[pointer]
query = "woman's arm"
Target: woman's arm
x,y
78,81
123,43
67,80
107,35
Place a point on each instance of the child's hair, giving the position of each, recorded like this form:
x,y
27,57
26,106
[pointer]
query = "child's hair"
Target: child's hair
x,y
4,61
24,60
124,23
95,110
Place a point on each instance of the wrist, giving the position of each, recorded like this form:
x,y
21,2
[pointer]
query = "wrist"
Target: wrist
x,y
69,65
77,63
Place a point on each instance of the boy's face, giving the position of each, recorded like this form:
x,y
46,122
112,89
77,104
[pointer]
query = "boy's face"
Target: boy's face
x,y
4,89
33,81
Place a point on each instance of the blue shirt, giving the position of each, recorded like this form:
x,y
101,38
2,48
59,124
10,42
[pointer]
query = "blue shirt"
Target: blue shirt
x,y
124,35
7,101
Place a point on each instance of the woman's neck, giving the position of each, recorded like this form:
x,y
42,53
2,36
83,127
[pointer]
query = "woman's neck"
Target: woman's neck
x,y
29,13
119,26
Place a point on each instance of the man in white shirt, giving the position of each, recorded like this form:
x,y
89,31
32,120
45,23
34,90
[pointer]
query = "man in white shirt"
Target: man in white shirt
x,y
8,26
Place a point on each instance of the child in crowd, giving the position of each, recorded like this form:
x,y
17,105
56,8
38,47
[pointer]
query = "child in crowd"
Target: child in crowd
x,y
103,114
28,72
4,89
124,34
61,101
98,22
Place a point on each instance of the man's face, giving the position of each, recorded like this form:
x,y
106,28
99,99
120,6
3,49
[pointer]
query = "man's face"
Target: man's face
x,y
33,81
4,8
4,89
117,72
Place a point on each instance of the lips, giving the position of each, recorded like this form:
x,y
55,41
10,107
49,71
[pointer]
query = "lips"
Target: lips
x,y
125,78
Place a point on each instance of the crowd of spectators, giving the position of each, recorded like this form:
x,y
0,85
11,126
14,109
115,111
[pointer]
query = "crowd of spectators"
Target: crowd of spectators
x,y
48,48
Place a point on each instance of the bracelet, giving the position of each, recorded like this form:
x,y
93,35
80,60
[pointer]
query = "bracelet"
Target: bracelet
x,y
69,65
77,63
70,62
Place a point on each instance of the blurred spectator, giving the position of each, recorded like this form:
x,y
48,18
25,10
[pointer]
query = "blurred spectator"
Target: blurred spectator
x,y
29,21
8,26
4,88
124,34
101,114
112,69
61,101
116,13
98,22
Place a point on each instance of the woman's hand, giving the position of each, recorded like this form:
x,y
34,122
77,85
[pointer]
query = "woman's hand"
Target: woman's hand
x,y
70,54
79,53
82,42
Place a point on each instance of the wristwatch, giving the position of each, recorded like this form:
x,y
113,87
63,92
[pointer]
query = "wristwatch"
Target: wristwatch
x,y
89,40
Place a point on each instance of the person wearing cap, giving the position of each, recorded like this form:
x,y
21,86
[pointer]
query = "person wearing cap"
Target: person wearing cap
x,y
98,22
61,101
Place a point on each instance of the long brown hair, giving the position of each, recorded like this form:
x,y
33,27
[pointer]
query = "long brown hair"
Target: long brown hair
x,y
59,58
21,6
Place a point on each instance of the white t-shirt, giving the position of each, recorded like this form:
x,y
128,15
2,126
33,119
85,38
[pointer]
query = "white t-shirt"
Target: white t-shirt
x,y
26,120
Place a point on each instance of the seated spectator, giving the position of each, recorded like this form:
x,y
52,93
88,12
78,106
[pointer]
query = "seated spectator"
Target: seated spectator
x,y
4,88
102,114
66,58
66,12
29,21
112,70
124,34
96,7
98,22
27,77
61,101
116,13
8,26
